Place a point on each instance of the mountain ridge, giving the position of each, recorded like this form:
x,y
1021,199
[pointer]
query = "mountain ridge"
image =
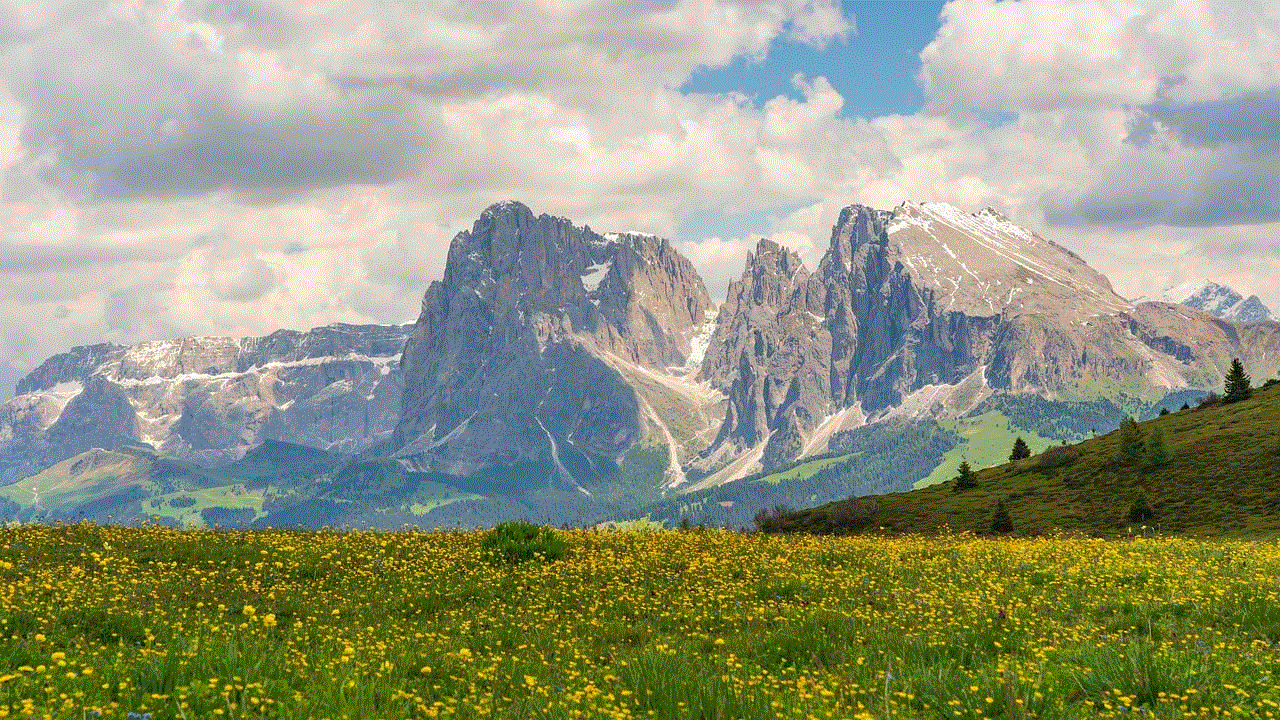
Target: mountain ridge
x,y
575,358
207,399
1218,300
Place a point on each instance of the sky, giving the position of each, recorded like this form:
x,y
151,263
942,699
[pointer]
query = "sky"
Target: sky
x,y
230,167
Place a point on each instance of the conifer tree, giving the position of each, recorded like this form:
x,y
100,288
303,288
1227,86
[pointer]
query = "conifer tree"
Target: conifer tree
x,y
1020,450
1000,521
1131,449
1237,384
966,479
1157,451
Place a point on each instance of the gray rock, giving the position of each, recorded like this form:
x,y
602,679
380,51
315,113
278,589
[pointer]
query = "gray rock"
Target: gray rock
x,y
208,400
516,356
927,310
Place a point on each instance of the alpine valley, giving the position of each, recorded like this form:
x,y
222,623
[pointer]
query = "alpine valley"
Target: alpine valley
x,y
566,376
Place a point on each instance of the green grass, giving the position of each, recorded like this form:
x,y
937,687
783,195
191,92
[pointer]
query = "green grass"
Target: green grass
x,y
1223,479
232,497
115,622
987,440
803,470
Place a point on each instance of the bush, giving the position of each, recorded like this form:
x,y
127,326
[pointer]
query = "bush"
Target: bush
x,y
511,543
851,514
1140,510
768,522
182,501
1057,456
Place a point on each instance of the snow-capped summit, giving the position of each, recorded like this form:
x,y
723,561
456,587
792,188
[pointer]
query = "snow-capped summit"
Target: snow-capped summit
x,y
1218,300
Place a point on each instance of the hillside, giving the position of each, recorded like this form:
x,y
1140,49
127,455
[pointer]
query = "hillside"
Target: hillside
x,y
1222,479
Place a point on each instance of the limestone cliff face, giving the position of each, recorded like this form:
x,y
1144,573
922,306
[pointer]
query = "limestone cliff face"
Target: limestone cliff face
x,y
928,300
515,355
208,399
550,344
771,351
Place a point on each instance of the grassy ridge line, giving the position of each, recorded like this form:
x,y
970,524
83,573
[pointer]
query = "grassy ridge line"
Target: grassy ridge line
x,y
119,622
1223,479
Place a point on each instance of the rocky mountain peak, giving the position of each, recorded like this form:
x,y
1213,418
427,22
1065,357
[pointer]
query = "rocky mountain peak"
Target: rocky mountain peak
x,y
929,307
982,263
770,352
512,358
1218,300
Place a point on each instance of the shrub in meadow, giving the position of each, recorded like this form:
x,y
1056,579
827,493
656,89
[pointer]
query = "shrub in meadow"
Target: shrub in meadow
x,y
1140,510
511,543
1058,456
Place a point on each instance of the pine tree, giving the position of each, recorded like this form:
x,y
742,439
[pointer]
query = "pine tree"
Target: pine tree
x,y
1020,450
1131,449
1157,451
1000,521
966,479
1237,384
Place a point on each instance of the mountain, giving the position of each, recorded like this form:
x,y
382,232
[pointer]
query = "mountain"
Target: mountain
x,y
1221,477
550,345
1219,301
926,311
566,375
207,400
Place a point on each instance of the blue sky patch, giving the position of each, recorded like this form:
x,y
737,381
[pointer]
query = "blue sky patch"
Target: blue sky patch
x,y
875,70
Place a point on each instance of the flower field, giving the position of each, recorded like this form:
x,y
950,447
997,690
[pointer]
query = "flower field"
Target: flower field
x,y
153,622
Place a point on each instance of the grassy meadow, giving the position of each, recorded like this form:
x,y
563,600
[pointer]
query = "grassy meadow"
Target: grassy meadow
x,y
1220,478
152,622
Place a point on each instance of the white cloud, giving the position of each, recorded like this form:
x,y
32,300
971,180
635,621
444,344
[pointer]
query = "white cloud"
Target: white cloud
x,y
231,168
1067,54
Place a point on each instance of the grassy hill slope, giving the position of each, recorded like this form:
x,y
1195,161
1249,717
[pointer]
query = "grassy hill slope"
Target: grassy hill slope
x,y
1222,478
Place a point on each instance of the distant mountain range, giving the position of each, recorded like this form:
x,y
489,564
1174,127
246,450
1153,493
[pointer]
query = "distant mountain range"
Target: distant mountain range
x,y
563,374
1219,301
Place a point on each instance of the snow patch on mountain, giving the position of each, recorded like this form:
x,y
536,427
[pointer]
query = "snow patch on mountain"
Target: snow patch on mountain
x,y
593,274
1217,300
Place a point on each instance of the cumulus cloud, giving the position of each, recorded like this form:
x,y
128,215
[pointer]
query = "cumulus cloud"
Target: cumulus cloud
x,y
128,100
233,167
1194,84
